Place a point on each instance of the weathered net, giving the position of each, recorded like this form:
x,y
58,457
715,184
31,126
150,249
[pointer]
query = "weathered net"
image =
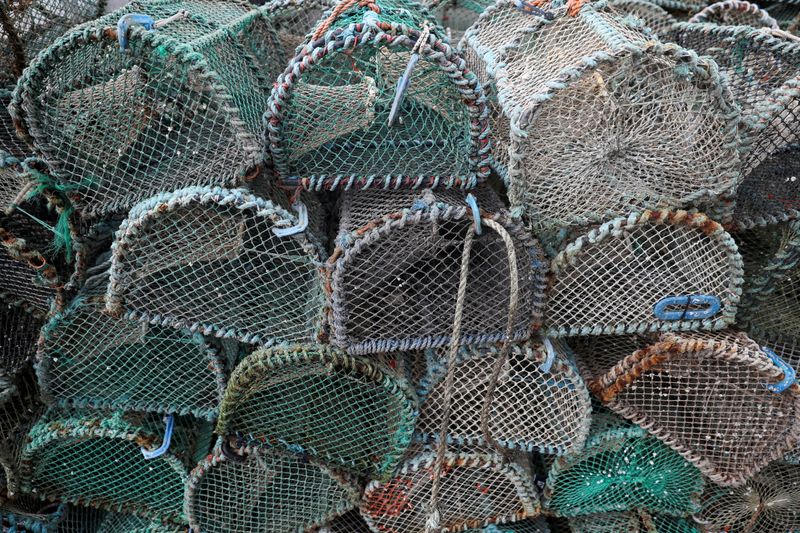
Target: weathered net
x,y
540,402
456,16
221,262
19,331
127,523
529,525
394,276
735,13
602,120
344,410
651,271
664,386
633,522
786,14
26,514
89,359
765,249
28,26
293,20
621,468
477,488
762,72
180,106
19,408
654,17
95,459
350,68
768,503
12,149
256,489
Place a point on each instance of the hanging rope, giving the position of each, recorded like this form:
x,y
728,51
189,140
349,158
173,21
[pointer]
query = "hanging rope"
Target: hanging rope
x,y
340,8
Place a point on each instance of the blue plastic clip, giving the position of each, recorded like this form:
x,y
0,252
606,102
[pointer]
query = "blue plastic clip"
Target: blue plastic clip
x,y
551,356
530,9
789,373
402,87
161,450
302,222
125,23
476,213
712,303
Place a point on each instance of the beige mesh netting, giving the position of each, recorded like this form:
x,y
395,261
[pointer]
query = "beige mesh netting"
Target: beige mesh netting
x,y
735,13
540,402
654,271
602,119
654,17
718,399
394,276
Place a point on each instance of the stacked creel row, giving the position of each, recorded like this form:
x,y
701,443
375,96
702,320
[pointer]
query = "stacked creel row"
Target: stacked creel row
x,y
378,266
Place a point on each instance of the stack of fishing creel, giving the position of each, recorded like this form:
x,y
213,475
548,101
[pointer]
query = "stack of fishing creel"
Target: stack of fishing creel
x,y
391,267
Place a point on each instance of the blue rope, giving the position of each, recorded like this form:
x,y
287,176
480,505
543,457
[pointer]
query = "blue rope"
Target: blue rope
x,y
300,227
551,356
161,450
789,373
712,303
476,213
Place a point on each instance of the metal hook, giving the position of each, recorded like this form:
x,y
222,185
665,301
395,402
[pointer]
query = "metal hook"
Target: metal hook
x,y
476,213
712,303
789,373
402,87
161,450
302,222
551,356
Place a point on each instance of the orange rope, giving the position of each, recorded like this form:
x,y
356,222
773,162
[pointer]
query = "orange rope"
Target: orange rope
x,y
340,8
573,6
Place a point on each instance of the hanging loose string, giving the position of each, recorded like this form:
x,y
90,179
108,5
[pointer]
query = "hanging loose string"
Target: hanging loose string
x,y
340,8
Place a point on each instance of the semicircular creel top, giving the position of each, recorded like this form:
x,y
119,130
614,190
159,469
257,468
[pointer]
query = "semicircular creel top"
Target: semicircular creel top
x,y
598,119
401,108
122,111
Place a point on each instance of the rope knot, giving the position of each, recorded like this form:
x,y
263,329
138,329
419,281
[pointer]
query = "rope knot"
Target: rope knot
x,y
337,11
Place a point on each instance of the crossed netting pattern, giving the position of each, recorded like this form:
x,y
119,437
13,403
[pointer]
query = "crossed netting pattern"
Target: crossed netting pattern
x,y
735,13
606,523
704,395
19,331
20,283
28,26
210,259
597,354
476,489
765,504
533,408
621,469
264,491
529,525
652,16
25,514
294,19
761,71
785,14
87,458
638,106
343,410
456,16
776,309
771,246
395,279
9,142
19,408
126,523
608,280
349,522
89,358
182,106
437,126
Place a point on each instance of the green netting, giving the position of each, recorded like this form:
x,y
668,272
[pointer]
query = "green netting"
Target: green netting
x,y
632,522
654,17
25,514
343,410
293,20
90,458
477,488
89,359
19,331
768,503
763,74
622,468
19,408
600,119
394,276
28,26
256,489
328,118
735,13
181,106
221,262
540,402
456,16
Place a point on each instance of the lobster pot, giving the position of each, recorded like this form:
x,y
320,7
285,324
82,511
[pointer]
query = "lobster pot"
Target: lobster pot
x,y
529,525
394,276
560,84
767,503
735,13
650,271
89,359
752,417
19,408
764,249
10,145
634,522
621,469
540,402
456,16
94,459
123,117
19,331
346,411
331,123
654,17
349,522
477,488
28,27
293,20
26,514
256,489
762,72
127,523
221,262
